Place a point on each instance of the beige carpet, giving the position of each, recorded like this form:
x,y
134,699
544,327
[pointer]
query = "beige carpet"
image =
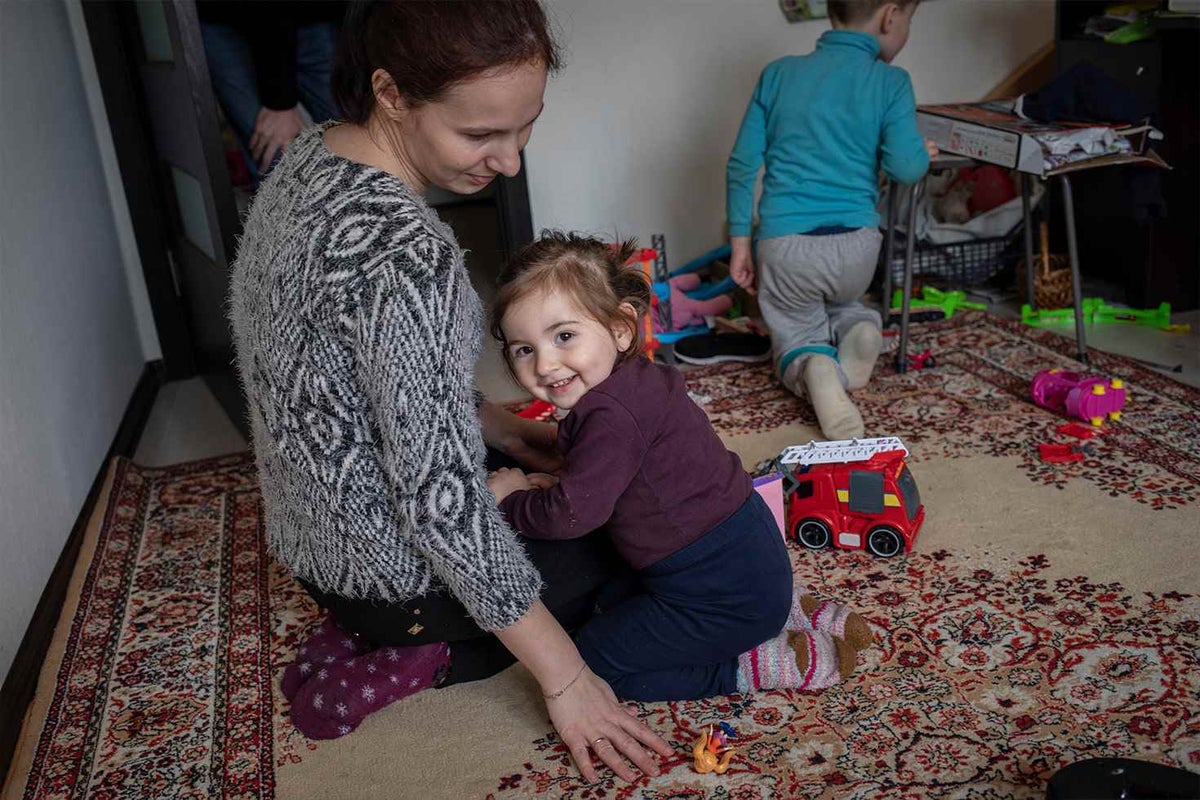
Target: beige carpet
x,y
1047,614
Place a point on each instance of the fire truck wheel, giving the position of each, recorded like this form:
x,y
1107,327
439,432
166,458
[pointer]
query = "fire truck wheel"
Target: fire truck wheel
x,y
813,534
884,542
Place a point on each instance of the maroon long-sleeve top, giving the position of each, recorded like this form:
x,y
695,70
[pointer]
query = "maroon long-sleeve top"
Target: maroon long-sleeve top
x,y
641,460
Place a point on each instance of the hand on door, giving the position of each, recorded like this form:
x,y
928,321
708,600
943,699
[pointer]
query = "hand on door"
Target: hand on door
x,y
273,132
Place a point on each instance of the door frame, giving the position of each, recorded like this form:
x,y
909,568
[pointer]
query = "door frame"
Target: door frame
x,y
113,50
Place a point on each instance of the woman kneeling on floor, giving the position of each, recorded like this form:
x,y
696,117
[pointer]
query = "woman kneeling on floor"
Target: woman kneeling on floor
x,y
357,332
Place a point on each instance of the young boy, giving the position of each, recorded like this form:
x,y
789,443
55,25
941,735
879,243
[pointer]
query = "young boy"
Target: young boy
x,y
824,124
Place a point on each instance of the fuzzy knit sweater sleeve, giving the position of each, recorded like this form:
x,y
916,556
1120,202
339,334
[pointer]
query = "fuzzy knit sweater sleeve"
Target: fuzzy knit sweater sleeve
x,y
357,332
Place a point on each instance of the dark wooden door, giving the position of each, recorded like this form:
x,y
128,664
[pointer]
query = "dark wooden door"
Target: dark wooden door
x,y
153,72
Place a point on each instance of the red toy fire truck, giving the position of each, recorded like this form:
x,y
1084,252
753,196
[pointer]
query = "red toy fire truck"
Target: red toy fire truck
x,y
855,494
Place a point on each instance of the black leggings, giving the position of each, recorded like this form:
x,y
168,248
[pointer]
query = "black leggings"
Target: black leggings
x,y
574,572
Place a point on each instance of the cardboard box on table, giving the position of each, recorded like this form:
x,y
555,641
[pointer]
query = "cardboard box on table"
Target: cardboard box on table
x,y
991,133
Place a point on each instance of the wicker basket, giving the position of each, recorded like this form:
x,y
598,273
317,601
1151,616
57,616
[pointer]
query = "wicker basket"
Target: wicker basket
x,y
1051,278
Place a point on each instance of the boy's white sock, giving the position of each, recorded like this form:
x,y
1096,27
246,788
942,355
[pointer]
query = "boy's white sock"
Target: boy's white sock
x,y
858,351
836,413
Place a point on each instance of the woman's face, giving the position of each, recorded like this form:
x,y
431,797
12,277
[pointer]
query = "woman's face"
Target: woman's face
x,y
475,131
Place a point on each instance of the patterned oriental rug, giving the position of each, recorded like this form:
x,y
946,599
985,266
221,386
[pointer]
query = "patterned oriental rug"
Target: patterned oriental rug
x,y
1048,614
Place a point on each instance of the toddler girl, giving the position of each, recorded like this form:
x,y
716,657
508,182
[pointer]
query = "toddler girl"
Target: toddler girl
x,y
714,610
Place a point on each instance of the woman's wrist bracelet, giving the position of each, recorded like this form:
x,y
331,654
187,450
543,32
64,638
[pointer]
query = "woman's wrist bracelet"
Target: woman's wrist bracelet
x,y
570,683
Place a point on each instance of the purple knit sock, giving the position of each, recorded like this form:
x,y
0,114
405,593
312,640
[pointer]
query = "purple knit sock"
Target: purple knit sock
x,y
327,644
340,696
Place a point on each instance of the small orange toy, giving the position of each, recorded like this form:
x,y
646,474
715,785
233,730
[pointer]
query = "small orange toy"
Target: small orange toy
x,y
706,751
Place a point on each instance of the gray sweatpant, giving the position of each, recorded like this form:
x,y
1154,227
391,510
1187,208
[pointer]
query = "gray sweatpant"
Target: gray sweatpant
x,y
808,290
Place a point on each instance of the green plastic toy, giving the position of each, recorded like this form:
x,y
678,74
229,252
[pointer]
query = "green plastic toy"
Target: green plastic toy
x,y
1154,317
1098,312
1136,31
1058,316
948,302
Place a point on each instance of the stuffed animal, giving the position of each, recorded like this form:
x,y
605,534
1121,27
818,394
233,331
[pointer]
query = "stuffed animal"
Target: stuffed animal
x,y
953,205
686,311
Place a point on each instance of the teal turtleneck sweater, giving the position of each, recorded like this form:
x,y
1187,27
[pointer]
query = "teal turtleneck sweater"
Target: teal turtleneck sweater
x,y
823,124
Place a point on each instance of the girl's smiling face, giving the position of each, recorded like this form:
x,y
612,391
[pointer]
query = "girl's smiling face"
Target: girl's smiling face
x,y
556,350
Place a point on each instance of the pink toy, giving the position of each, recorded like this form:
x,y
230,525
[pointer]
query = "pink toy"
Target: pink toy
x,y
1090,398
686,311
770,489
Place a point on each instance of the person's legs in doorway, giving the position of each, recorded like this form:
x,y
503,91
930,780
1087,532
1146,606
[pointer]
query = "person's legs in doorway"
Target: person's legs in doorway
x,y
314,66
231,70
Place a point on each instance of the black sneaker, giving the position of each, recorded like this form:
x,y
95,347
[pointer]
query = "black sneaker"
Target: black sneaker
x,y
714,348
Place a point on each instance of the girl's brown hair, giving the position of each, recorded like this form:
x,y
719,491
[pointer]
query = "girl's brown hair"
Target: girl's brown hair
x,y
427,46
594,274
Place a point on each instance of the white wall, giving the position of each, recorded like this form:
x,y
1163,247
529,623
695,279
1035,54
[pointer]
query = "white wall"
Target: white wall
x,y
638,125
70,353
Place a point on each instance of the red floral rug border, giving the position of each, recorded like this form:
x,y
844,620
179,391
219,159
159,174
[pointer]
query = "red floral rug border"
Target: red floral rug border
x,y
191,738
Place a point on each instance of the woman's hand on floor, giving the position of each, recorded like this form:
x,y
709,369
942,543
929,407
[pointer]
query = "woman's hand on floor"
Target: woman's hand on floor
x,y
582,707
587,717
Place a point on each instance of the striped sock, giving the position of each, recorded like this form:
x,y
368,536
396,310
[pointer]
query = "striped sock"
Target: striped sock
x,y
795,660
798,619
771,665
810,614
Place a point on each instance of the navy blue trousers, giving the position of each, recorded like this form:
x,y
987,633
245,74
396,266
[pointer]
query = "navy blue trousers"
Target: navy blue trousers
x,y
694,612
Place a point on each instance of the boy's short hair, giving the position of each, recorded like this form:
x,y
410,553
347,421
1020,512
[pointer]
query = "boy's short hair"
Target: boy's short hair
x,y
852,12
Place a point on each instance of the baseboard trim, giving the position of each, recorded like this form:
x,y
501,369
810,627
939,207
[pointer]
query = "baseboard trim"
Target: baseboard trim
x,y
21,681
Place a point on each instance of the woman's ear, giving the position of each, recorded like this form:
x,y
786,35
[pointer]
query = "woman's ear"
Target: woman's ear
x,y
387,95
625,332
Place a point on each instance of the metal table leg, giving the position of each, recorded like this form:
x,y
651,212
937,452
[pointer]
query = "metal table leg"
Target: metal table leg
x,y
889,249
1076,280
906,300
1030,292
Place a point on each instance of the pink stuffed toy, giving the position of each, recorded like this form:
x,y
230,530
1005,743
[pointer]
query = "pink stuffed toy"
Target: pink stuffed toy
x,y
685,311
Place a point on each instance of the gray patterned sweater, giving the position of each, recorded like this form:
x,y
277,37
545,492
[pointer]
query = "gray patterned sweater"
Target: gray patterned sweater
x,y
357,332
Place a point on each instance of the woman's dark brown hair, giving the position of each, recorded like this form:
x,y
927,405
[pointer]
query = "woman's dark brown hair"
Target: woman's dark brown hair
x,y
427,46
597,276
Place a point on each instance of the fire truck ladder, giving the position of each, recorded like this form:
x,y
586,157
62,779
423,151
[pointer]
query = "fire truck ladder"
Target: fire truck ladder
x,y
836,452
839,452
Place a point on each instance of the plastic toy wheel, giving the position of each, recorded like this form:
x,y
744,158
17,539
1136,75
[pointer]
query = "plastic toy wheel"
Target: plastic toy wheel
x,y
931,362
884,542
813,534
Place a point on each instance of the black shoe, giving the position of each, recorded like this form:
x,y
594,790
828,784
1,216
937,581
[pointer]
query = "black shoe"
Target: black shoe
x,y
714,348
